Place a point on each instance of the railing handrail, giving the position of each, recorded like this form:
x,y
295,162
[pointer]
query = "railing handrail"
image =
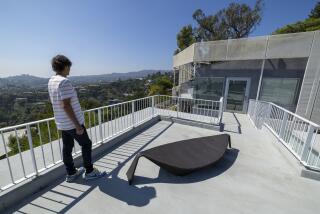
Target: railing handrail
x,y
25,124
89,110
112,105
52,118
289,112
217,101
301,140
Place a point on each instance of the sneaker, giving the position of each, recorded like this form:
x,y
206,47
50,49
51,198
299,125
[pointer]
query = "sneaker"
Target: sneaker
x,y
94,174
71,178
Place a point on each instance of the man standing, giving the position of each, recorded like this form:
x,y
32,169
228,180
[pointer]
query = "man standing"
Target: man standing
x,y
70,120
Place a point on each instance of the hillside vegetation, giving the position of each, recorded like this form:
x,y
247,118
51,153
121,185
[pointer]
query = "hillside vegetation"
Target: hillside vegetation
x,y
311,23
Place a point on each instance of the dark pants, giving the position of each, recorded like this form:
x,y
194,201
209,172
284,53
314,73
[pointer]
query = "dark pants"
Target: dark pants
x,y
68,137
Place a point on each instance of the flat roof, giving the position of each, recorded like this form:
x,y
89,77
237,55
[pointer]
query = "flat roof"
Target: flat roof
x,y
257,176
292,45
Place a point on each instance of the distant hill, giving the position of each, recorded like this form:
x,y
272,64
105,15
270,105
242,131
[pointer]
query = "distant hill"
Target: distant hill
x,y
113,76
35,82
25,80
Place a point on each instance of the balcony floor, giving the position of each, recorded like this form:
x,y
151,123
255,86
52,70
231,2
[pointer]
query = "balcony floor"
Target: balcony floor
x,y
257,176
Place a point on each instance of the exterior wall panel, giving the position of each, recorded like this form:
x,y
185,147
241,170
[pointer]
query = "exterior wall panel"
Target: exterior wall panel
x,y
279,46
184,57
210,51
310,82
289,45
248,48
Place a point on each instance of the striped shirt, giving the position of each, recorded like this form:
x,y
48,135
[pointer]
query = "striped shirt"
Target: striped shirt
x,y
60,88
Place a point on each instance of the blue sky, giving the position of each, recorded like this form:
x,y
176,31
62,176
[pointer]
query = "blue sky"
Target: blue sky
x,y
110,35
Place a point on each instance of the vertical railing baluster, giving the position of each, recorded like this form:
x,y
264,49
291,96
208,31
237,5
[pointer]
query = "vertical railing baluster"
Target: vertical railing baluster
x,y
111,121
50,142
108,121
118,118
292,133
34,163
122,116
307,144
90,125
220,110
20,155
115,119
7,157
132,113
104,125
95,126
100,125
298,135
41,145
283,125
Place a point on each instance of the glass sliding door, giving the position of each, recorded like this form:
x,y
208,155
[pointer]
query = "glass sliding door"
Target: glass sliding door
x,y
236,94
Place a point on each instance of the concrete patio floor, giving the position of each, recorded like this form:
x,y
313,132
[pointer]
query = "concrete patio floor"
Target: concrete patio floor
x,y
258,175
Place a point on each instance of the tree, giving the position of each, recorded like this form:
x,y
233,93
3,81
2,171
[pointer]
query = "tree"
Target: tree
x,y
315,12
162,85
235,21
90,103
240,19
309,24
209,27
185,38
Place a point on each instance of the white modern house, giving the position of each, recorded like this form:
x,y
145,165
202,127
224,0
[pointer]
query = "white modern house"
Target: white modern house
x,y
283,69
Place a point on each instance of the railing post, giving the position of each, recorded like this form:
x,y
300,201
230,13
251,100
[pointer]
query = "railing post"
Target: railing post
x,y
100,125
31,149
254,116
152,103
133,119
220,110
283,124
307,144
268,113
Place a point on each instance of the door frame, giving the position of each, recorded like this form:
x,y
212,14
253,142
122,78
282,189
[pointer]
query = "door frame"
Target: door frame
x,y
247,92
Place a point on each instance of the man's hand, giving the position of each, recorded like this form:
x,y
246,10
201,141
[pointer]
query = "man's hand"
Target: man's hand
x,y
79,130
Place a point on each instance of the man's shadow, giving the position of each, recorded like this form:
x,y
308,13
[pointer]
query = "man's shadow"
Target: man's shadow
x,y
118,188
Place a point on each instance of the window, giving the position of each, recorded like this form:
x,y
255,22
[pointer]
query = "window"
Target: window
x,y
282,91
208,88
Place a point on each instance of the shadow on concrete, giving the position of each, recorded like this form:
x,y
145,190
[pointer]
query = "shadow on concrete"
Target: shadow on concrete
x,y
231,125
111,185
209,172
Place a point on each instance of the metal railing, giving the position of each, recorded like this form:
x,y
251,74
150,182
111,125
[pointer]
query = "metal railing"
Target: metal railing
x,y
207,111
31,148
299,135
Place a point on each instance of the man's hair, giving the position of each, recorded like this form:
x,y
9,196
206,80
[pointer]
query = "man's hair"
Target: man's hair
x,y
59,63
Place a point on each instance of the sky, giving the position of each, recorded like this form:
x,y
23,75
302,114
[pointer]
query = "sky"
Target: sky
x,y
106,36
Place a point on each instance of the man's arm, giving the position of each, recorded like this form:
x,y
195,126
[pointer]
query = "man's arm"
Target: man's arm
x,y
66,104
